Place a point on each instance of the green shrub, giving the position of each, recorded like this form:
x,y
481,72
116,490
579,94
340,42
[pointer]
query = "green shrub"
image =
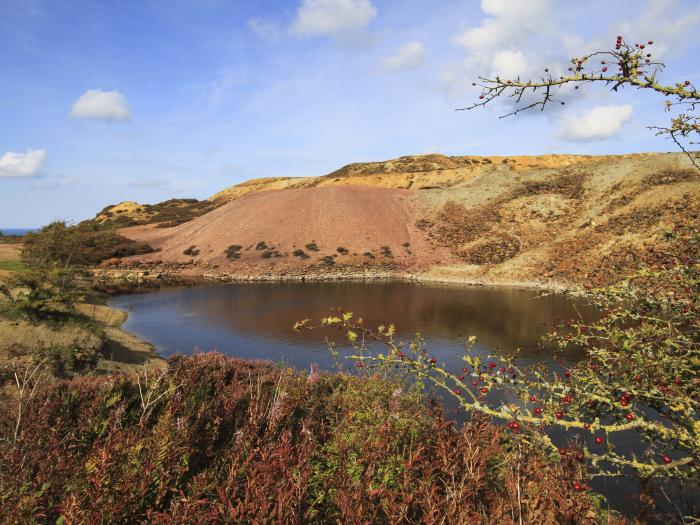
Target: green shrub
x,y
300,253
312,247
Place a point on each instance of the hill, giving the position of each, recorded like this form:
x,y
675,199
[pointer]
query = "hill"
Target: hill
x,y
559,219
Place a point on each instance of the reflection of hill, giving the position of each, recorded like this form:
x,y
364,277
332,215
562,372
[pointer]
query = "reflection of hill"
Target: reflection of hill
x,y
499,317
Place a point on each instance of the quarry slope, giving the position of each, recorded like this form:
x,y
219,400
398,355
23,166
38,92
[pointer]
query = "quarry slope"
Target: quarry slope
x,y
545,220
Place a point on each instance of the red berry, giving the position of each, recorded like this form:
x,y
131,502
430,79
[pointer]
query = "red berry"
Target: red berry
x,y
586,426
666,459
458,392
598,440
650,42
578,486
605,69
579,457
562,451
546,70
559,415
484,390
629,416
533,398
638,378
538,411
464,370
481,96
624,401
492,364
567,374
433,360
475,382
687,82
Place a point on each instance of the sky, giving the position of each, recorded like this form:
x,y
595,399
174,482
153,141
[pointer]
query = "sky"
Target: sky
x,y
146,100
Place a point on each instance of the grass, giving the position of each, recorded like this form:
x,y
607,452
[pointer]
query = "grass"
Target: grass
x,y
12,266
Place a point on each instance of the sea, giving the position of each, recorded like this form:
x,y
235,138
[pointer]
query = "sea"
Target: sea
x,y
17,231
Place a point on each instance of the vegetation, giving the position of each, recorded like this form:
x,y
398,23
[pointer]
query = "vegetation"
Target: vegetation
x,y
217,440
300,253
328,260
12,266
233,251
312,247
261,246
640,377
342,250
625,65
192,251
166,214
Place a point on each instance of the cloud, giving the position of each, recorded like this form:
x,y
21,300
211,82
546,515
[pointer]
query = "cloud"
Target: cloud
x,y
598,123
22,164
334,18
670,25
408,56
55,182
266,30
98,104
508,64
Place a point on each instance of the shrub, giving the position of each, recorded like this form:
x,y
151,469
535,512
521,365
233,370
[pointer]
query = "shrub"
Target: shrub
x,y
639,376
312,247
369,255
328,260
192,251
233,251
386,252
342,251
261,246
217,440
300,253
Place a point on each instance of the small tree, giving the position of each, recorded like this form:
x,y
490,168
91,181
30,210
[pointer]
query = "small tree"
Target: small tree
x,y
624,65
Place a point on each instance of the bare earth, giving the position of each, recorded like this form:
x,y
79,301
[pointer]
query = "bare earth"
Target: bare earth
x,y
557,220
359,219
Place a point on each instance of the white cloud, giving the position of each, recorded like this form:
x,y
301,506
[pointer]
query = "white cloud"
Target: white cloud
x,y
266,30
335,18
408,56
98,104
508,64
22,164
598,123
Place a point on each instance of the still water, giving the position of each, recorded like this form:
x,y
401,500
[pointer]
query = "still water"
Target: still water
x,y
254,321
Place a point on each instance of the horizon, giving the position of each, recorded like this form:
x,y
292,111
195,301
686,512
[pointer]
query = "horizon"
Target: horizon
x,y
151,101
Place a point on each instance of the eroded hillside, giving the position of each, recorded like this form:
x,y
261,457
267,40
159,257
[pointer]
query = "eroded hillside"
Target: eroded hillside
x,y
550,219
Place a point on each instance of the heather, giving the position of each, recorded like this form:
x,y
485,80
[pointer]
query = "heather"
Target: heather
x,y
217,440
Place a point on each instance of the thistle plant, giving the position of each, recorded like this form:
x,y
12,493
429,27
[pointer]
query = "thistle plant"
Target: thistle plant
x,y
625,65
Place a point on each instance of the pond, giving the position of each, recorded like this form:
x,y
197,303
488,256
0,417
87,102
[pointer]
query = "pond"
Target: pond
x,y
254,321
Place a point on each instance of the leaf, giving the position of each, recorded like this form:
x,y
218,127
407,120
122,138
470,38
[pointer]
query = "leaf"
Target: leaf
x,y
352,336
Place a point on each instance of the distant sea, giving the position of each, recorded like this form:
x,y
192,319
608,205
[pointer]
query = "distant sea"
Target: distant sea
x,y
17,231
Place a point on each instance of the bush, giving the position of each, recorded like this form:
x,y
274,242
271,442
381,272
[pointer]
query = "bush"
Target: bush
x,y
261,246
217,440
342,251
369,255
300,253
192,251
312,247
328,260
233,251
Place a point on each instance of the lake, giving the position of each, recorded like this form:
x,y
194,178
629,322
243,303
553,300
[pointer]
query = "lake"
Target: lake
x,y
254,321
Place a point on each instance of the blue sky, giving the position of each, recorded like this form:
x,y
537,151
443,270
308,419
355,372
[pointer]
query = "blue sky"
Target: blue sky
x,y
147,100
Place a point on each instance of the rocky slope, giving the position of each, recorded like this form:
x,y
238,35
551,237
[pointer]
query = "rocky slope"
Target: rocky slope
x,y
559,219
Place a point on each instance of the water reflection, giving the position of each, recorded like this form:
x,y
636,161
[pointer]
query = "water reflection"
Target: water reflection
x,y
255,320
